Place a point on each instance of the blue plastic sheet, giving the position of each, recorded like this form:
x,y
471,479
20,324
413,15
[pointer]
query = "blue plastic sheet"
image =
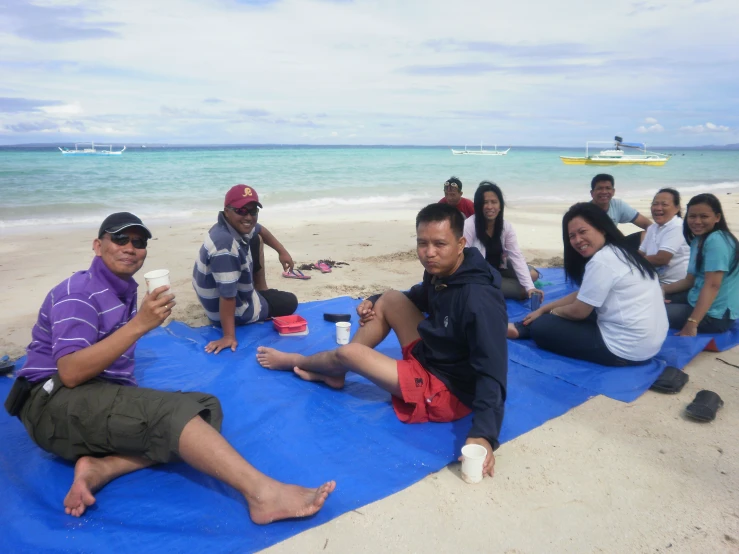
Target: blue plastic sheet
x,y
294,431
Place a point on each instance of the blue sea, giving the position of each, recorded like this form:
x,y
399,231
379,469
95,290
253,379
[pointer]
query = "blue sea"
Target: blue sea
x,y
182,184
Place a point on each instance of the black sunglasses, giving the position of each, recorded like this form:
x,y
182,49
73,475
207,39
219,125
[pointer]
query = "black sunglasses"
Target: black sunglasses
x,y
254,212
122,239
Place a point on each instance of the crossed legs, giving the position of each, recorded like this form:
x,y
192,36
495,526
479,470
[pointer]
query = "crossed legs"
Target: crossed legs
x,y
393,311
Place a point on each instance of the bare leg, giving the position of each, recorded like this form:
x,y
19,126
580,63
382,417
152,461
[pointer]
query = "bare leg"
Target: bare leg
x,y
92,474
260,278
206,450
512,332
331,366
393,311
534,274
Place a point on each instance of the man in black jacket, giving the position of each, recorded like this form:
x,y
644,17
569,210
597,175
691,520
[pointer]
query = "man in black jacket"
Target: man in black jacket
x,y
455,360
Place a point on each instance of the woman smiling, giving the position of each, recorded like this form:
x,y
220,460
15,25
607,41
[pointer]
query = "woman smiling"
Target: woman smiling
x,y
617,317
707,299
664,245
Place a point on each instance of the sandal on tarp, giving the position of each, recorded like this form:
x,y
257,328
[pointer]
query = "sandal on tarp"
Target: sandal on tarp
x,y
671,381
295,274
6,365
704,406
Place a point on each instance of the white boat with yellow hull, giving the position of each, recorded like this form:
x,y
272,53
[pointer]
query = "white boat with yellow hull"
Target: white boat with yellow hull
x,y
617,156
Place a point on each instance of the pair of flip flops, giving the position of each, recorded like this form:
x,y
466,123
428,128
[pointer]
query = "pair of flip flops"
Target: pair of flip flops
x,y
705,404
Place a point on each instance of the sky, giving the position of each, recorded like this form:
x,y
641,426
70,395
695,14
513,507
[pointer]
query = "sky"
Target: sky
x,y
421,72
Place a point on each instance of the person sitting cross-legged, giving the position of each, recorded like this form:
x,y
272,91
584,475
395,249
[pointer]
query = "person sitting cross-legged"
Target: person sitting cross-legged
x,y
455,361
85,406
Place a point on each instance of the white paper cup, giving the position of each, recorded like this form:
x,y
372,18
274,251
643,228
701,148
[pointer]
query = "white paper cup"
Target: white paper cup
x,y
155,279
343,331
473,458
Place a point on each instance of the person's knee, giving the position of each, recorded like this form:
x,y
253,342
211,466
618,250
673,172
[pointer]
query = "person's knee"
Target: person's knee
x,y
346,355
390,298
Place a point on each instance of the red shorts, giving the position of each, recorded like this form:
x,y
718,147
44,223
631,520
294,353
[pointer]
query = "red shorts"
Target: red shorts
x,y
425,397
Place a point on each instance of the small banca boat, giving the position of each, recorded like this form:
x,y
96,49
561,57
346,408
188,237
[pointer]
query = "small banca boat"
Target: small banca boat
x,y
617,155
480,152
92,150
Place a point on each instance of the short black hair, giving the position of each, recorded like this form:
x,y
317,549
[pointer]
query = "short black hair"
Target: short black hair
x,y
454,181
442,212
602,177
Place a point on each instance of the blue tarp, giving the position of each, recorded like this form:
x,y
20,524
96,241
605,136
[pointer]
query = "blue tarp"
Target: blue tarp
x,y
292,430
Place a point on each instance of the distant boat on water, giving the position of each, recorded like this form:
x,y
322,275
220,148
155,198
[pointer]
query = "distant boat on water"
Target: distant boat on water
x,y
91,151
618,156
480,152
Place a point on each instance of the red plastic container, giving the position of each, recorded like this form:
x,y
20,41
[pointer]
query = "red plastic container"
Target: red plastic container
x,y
290,324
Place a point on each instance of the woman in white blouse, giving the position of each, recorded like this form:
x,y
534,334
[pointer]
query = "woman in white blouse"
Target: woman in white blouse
x,y
664,244
495,238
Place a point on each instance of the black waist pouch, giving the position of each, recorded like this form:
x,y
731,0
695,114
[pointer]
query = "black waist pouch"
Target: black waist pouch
x,y
18,395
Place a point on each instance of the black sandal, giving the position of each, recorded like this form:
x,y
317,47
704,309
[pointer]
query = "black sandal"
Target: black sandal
x,y
670,381
704,406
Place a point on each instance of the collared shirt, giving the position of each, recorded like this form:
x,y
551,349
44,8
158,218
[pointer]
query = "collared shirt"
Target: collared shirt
x,y
718,255
620,212
77,313
668,237
224,268
466,206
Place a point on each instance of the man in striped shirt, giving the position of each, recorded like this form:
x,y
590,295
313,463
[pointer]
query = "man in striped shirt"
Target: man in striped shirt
x,y
228,276
85,407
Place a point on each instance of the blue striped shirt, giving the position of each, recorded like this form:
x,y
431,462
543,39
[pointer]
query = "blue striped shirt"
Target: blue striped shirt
x,y
224,268
77,313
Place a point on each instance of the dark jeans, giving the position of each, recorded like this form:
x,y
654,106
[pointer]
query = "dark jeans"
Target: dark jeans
x,y
510,286
634,240
581,340
280,302
679,310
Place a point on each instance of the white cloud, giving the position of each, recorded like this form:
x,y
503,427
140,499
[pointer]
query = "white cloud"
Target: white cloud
x,y
707,128
650,120
656,128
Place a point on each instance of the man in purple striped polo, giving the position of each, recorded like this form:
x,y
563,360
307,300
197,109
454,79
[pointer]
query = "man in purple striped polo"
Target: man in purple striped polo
x,y
84,404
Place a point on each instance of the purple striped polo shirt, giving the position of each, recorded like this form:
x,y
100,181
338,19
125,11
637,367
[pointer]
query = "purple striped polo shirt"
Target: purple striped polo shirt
x,y
77,313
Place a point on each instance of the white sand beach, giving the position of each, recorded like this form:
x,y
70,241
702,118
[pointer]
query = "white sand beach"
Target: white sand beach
x,y
605,477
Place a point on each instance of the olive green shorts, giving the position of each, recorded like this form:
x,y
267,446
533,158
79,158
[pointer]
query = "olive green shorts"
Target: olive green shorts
x,y
99,418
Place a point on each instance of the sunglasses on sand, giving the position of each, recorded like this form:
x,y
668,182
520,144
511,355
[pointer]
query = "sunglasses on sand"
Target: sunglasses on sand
x,y
122,239
254,212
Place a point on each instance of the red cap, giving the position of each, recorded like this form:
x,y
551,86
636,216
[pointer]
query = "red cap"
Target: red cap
x,y
241,195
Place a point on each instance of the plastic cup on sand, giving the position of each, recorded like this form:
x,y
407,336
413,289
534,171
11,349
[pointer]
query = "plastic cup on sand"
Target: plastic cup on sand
x,y
155,279
473,458
343,330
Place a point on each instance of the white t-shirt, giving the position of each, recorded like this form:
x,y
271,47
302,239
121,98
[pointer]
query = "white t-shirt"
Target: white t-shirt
x,y
668,237
631,312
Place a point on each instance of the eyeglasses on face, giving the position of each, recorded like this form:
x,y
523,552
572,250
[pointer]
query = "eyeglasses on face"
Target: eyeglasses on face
x,y
254,212
122,239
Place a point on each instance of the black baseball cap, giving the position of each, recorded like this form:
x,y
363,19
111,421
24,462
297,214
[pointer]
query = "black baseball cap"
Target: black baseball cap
x,y
116,222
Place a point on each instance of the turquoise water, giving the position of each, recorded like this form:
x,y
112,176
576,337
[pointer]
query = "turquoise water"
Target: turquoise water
x,y
40,186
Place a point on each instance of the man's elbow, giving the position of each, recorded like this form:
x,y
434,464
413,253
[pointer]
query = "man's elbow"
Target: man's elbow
x,y
67,375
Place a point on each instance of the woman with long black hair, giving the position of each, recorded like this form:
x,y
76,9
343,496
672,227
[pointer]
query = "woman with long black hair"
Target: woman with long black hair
x,y
617,317
707,299
496,240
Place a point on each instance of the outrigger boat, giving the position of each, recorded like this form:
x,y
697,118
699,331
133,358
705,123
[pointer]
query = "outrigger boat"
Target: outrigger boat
x,y
92,151
480,152
617,156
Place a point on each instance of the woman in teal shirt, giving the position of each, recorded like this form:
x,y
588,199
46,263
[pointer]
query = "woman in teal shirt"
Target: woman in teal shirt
x,y
707,300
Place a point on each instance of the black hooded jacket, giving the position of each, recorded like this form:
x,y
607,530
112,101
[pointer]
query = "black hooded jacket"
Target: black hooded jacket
x,y
463,339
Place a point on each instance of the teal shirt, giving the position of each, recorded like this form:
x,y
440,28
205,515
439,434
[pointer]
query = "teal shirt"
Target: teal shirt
x,y
718,255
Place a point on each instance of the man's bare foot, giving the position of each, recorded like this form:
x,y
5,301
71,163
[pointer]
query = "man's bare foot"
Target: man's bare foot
x,y
89,476
333,381
280,501
512,332
274,359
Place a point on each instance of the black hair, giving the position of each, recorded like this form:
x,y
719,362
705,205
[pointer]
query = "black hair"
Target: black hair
x,y
493,245
602,177
454,181
712,202
675,198
597,218
442,212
